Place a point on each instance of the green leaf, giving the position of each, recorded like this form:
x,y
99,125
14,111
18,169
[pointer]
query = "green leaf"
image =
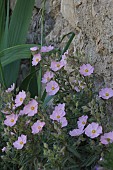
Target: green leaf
x,y
2,21
20,22
5,37
17,34
69,41
74,152
44,95
47,100
39,82
30,83
15,53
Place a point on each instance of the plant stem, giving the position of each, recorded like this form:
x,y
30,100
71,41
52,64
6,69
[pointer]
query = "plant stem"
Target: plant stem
x,y
42,36
2,75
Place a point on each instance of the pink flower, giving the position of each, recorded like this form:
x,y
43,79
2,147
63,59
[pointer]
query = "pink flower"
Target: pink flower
x,y
5,112
52,88
30,109
64,58
37,126
107,138
11,88
47,77
106,93
55,66
20,98
57,115
77,89
60,107
11,120
33,49
82,121
45,49
76,132
20,142
36,59
4,149
93,130
86,70
59,112
63,122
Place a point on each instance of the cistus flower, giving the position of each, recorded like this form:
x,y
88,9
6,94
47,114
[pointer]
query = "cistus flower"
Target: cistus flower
x,y
33,49
107,138
11,120
86,70
20,142
52,88
106,93
36,59
60,107
77,89
45,49
82,121
20,98
58,115
76,132
55,66
37,126
4,149
93,130
47,77
30,109
63,122
11,88
64,58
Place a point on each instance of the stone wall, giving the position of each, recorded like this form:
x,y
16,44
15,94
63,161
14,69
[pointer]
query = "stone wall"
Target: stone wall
x,y
92,22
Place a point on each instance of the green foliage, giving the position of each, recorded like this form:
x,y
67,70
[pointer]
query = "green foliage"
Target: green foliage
x,y
107,159
14,32
54,148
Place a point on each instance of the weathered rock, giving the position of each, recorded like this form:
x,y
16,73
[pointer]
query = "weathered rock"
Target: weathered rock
x,y
91,20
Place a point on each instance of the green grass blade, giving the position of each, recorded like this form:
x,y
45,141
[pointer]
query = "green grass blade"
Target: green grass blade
x,y
69,41
25,85
2,22
15,53
18,28
5,37
20,21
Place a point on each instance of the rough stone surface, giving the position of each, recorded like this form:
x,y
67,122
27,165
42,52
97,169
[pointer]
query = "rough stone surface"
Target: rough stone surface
x,y
92,22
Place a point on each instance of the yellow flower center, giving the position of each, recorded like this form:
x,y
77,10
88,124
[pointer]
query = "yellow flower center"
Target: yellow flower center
x,y
37,60
12,120
21,143
52,88
86,70
39,127
93,131
83,123
107,94
21,99
58,65
32,108
58,117
108,139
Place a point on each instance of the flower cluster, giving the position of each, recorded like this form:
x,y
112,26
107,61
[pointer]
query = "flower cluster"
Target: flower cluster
x,y
58,115
30,122
20,142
